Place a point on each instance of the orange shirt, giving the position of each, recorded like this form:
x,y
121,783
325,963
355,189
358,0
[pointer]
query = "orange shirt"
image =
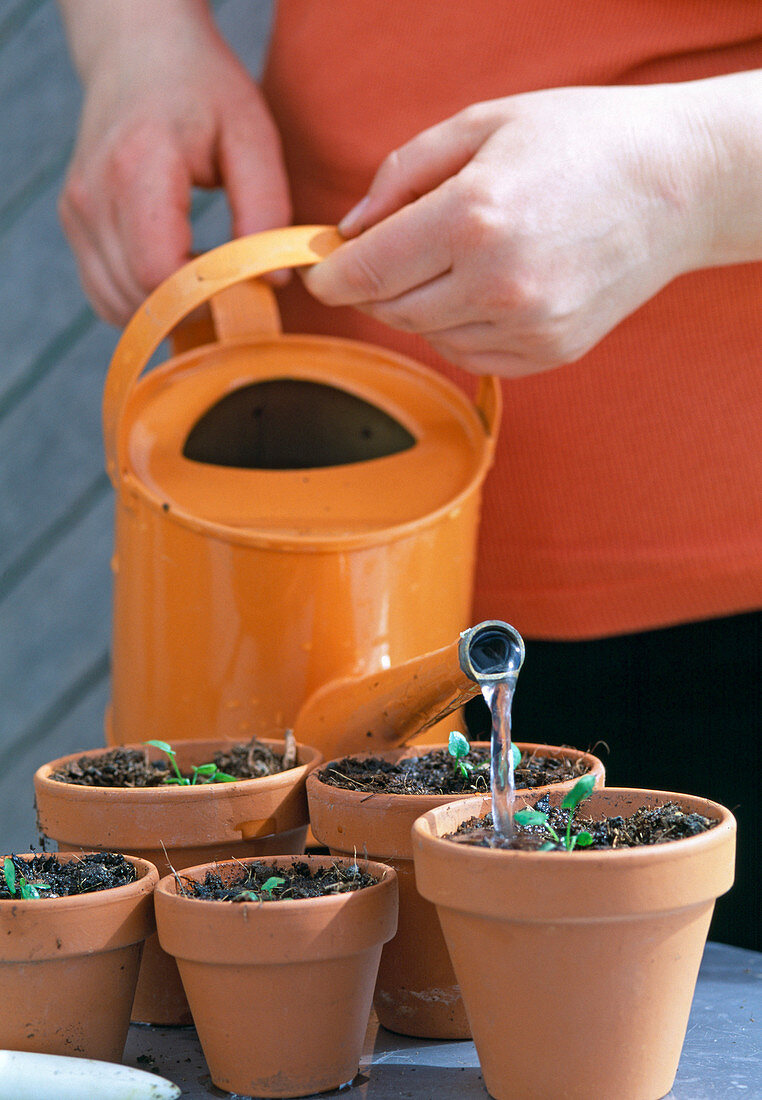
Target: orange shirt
x,y
627,489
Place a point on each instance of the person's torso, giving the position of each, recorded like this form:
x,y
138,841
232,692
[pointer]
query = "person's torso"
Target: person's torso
x,y
627,491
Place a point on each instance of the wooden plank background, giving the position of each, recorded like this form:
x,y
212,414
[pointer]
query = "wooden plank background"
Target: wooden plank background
x,y
55,499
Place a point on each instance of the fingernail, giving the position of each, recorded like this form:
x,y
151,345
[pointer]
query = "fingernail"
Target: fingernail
x,y
278,278
351,223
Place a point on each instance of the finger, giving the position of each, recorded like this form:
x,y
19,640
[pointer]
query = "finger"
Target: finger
x,y
508,352
545,346
107,300
420,166
253,174
86,221
108,246
152,222
442,303
105,293
406,250
502,364
477,336
252,170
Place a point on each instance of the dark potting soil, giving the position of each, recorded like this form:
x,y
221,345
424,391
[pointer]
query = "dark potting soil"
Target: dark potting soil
x,y
54,878
133,768
648,825
263,882
436,772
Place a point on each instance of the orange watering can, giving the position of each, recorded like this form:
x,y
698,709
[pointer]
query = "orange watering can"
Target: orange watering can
x,y
296,518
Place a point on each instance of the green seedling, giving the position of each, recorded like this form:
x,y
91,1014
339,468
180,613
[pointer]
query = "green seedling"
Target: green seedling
x,y
202,773
16,883
581,790
266,888
272,884
458,748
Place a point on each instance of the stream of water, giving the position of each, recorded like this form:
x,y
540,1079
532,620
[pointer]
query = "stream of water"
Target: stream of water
x,y
498,695
492,654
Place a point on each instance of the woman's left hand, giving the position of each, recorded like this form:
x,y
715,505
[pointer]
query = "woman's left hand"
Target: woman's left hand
x,y
516,234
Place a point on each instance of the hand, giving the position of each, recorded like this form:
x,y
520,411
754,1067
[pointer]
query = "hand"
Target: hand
x,y
516,234
167,107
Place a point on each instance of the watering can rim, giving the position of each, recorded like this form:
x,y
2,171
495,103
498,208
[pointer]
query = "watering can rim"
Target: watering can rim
x,y
197,282
483,413
208,275
294,542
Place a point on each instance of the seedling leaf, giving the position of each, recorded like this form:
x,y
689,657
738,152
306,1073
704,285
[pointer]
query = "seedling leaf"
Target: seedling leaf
x,y
458,745
530,817
516,754
272,883
161,745
26,889
9,871
206,773
581,790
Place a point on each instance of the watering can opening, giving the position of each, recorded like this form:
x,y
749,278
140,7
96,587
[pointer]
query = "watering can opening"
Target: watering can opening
x,y
288,423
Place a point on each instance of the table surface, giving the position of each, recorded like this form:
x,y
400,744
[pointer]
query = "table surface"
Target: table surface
x,y
722,1055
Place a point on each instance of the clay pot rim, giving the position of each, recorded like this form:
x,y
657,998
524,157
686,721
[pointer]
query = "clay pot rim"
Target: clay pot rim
x,y
273,932
423,834
426,801
147,881
174,792
167,885
570,888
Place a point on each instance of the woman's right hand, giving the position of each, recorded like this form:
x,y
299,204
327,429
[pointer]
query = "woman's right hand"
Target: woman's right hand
x,y
167,107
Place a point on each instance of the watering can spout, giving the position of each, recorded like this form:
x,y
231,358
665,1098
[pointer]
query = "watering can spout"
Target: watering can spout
x,y
386,708
491,651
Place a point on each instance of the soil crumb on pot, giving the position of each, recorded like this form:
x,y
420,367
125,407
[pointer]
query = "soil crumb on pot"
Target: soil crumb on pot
x,y
647,825
133,767
50,877
264,882
435,772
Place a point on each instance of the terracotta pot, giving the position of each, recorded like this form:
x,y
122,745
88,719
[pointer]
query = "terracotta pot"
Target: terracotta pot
x,y
68,968
577,969
417,992
280,991
177,827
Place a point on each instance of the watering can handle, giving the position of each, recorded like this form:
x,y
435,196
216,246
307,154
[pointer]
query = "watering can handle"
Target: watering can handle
x,y
196,283
191,286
